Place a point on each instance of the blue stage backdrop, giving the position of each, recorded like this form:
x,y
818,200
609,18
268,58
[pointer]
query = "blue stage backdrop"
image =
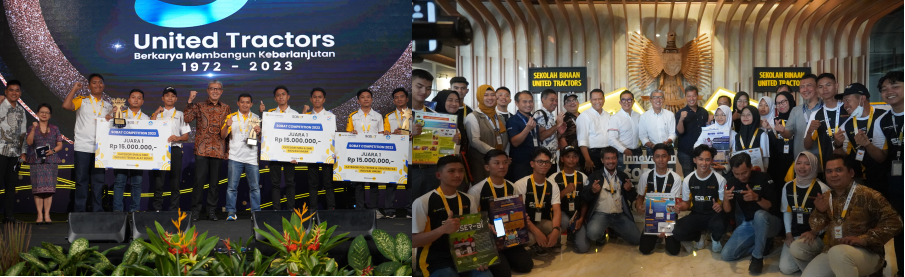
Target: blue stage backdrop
x,y
250,46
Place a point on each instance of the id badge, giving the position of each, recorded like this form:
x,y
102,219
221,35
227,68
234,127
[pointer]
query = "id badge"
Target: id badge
x,y
897,168
860,156
837,232
800,218
535,142
537,216
785,149
571,206
499,140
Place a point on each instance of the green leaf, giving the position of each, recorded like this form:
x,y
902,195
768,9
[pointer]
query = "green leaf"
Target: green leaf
x,y
154,238
387,268
143,270
330,266
207,245
273,231
115,248
120,270
200,264
78,246
34,261
16,270
385,243
93,269
257,257
288,228
405,270
72,263
152,248
55,253
273,242
403,248
358,253
40,252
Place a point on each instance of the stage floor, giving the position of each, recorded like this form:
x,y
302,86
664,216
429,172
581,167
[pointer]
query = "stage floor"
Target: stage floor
x,y
57,232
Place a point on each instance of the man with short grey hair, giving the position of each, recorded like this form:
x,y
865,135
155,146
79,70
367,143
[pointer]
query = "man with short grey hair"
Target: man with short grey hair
x,y
657,125
210,148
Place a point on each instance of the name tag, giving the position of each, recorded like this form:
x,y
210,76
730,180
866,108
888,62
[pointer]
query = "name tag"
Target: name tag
x,y
571,206
837,232
896,168
537,216
499,140
860,156
785,149
800,218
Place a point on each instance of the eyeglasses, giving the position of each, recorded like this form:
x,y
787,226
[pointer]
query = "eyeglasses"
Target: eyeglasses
x,y
719,115
626,100
747,115
543,162
783,102
571,101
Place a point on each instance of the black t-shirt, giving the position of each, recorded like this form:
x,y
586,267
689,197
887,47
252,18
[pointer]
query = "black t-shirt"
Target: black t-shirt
x,y
436,254
798,229
873,172
693,123
487,193
579,180
893,133
823,138
760,183
547,209
702,193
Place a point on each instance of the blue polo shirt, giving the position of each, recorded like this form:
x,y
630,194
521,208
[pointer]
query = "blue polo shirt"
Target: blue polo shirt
x,y
693,124
514,126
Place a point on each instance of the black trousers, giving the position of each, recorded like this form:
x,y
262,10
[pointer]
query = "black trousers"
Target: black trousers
x,y
207,172
360,195
286,171
649,242
175,177
320,174
8,177
689,227
515,259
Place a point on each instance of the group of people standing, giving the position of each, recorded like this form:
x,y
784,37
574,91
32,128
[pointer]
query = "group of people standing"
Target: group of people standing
x,y
220,136
829,170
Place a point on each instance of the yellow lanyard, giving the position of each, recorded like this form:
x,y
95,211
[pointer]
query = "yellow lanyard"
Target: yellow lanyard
x,y
398,119
574,181
134,114
870,119
242,126
446,204
751,143
493,190
93,105
848,200
364,122
831,131
538,204
282,111
612,180
795,194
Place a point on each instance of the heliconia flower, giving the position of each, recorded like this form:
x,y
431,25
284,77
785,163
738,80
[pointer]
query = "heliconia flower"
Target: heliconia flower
x,y
292,247
367,271
315,246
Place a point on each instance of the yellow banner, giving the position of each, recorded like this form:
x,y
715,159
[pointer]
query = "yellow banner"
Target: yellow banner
x,y
370,169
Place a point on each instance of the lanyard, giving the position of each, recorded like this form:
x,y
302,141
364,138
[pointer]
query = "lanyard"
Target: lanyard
x,y
94,106
831,131
783,122
610,179
895,128
173,115
364,122
664,180
398,120
870,119
493,190
795,194
538,204
848,200
533,134
751,142
446,204
241,128
574,181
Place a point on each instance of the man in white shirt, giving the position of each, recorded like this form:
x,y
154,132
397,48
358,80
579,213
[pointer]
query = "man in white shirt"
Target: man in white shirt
x,y
136,99
365,121
549,122
657,125
180,133
321,171
87,109
242,156
392,122
278,169
622,132
591,128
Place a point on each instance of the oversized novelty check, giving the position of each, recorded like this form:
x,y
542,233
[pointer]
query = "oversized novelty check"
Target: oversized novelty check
x,y
142,144
301,137
371,158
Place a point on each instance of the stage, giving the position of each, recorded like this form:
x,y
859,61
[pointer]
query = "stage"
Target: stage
x,y
57,233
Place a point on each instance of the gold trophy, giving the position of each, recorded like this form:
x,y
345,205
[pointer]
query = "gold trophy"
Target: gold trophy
x,y
118,120
404,126
252,135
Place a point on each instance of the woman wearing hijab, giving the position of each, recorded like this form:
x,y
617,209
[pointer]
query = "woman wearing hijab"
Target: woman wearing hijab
x,y
740,101
780,148
722,122
797,204
749,136
486,131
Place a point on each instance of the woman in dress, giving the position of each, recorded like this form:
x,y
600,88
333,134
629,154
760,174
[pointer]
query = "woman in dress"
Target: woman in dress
x,y
44,170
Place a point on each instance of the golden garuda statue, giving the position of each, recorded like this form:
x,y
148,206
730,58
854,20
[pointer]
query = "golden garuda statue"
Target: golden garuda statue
x,y
648,62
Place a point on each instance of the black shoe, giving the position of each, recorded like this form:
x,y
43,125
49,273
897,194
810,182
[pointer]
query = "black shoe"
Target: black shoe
x,y
212,217
757,266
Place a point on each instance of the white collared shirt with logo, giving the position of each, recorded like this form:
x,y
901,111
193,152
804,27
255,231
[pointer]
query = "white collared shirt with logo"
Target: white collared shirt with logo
x,y
177,123
373,121
239,150
85,121
288,110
